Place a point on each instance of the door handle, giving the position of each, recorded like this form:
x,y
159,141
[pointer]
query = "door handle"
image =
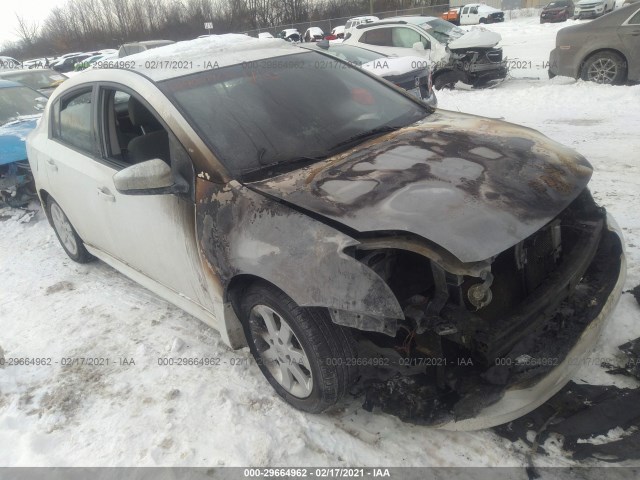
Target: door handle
x,y
52,164
106,194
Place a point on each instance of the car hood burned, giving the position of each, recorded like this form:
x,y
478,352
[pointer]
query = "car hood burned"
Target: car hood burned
x,y
472,185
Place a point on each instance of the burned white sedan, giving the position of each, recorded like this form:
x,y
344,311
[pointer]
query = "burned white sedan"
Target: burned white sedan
x,y
450,269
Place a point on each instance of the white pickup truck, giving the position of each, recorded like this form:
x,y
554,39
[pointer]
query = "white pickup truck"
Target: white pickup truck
x,y
475,13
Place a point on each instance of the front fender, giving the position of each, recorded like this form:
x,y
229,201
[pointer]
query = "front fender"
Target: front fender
x,y
241,232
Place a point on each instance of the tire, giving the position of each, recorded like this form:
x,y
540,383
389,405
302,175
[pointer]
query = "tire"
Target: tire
x,y
313,367
483,20
67,235
607,68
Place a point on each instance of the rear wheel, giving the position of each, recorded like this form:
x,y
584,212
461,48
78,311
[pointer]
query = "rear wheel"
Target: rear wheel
x,y
306,358
607,68
67,235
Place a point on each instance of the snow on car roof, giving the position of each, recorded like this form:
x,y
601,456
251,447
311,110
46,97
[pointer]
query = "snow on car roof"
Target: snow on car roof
x,y
216,51
415,20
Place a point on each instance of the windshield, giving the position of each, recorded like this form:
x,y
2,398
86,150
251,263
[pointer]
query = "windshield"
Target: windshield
x,y
442,30
357,56
288,109
36,78
16,102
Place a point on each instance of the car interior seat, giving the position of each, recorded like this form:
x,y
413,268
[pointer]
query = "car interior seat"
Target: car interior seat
x,y
154,141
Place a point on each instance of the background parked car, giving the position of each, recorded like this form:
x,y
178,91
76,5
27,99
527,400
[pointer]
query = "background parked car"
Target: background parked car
x,y
475,13
313,34
557,11
456,55
87,62
290,35
265,35
355,21
593,8
67,64
20,107
411,73
44,80
606,50
137,47
37,63
338,31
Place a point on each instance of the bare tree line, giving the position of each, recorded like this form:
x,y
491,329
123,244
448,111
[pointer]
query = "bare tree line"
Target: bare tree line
x,y
95,24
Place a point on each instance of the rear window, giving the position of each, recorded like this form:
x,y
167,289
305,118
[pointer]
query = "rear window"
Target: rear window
x,y
72,121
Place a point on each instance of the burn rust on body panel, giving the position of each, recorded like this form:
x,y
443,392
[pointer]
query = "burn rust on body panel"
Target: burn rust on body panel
x,y
468,175
241,232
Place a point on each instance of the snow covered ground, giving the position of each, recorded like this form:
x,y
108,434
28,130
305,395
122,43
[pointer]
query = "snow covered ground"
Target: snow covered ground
x,y
123,414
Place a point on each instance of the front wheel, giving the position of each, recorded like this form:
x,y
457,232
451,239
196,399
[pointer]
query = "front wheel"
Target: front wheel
x,y
67,235
307,359
607,68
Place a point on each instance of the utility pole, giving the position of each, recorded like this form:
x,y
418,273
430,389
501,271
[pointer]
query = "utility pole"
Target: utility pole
x,y
371,7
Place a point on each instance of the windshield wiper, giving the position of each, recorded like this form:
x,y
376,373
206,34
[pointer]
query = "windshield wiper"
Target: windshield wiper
x,y
281,166
364,135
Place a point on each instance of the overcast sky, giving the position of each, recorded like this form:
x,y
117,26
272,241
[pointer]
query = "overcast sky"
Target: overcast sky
x,y
33,10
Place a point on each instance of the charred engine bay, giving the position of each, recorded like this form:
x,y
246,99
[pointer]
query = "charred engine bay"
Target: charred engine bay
x,y
465,340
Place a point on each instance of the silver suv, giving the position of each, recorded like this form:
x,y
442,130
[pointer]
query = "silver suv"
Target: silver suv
x,y
457,55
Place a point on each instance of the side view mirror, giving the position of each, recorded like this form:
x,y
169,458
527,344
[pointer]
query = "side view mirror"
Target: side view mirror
x,y
418,46
153,177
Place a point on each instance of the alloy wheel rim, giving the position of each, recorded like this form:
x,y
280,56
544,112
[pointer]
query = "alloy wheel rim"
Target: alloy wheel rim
x,y
603,70
281,351
64,229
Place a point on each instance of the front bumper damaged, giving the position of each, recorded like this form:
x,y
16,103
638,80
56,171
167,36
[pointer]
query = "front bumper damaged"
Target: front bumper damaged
x,y
479,404
518,401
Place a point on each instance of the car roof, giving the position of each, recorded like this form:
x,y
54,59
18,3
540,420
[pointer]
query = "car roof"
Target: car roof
x,y
413,20
151,42
203,54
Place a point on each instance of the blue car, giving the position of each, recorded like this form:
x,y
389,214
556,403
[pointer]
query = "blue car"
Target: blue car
x,y
20,109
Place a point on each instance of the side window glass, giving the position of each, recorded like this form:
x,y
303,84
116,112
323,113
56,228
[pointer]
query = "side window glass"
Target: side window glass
x,y
72,121
465,9
405,37
132,134
635,20
131,131
473,10
378,36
